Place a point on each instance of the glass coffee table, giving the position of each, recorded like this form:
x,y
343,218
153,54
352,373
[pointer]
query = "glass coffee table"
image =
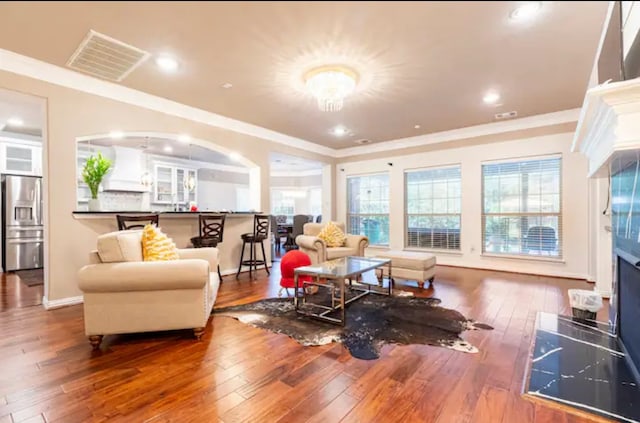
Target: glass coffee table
x,y
339,275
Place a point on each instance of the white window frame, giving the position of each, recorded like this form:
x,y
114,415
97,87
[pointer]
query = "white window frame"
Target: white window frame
x,y
364,215
559,214
407,215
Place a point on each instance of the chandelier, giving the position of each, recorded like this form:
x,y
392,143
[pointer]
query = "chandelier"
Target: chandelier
x,y
330,85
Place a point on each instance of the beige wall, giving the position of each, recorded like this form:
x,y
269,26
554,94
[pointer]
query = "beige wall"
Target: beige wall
x,y
73,114
470,154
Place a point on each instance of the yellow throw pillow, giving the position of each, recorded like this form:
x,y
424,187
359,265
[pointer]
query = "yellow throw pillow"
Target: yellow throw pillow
x,y
332,235
156,246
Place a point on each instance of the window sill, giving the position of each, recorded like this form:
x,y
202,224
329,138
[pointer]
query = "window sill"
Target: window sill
x,y
435,251
527,258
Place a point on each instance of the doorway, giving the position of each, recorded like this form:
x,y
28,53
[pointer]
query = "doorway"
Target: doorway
x,y
22,200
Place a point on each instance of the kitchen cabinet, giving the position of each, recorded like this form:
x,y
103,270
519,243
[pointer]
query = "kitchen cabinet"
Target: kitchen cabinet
x,y
21,159
171,184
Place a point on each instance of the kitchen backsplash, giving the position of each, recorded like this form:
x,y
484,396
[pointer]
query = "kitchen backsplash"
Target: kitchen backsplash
x,y
126,201
119,201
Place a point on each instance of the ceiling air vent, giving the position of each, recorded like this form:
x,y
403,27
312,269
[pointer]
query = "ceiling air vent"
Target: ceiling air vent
x,y
104,57
506,115
363,141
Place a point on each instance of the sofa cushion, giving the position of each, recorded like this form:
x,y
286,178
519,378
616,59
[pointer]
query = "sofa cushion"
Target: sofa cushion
x,y
120,246
409,259
332,235
156,246
339,252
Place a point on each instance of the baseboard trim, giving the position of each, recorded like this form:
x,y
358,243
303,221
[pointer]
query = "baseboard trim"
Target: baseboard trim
x,y
228,272
562,275
62,302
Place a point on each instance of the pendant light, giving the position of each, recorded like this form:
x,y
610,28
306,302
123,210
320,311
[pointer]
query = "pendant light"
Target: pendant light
x,y
189,182
147,178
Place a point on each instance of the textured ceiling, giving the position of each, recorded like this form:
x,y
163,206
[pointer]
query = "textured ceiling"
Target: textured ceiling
x,y
420,63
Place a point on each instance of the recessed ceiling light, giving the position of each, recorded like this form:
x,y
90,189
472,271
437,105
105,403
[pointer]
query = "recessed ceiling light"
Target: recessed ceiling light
x,y
491,98
168,149
235,156
416,126
525,11
15,121
184,138
167,63
227,85
116,135
339,131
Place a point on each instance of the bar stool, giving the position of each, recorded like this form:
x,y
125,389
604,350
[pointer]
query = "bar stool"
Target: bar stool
x,y
211,228
260,233
123,221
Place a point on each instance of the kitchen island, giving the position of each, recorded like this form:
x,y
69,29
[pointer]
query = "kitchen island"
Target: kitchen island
x,y
181,227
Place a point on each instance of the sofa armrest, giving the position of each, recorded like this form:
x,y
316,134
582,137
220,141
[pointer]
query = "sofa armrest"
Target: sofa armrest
x,y
144,276
359,242
209,254
311,242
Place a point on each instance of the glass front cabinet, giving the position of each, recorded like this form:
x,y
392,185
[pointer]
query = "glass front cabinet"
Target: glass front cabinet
x,y
174,184
21,159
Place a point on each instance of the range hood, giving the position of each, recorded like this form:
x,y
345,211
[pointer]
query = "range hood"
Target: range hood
x,y
126,171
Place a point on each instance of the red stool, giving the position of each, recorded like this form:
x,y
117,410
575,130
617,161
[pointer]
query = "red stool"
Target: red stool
x,y
288,263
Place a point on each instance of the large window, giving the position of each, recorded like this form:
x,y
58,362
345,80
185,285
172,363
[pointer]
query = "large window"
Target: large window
x,y
433,208
368,207
282,203
522,213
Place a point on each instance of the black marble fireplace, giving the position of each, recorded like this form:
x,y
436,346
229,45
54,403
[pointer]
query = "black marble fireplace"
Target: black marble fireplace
x,y
593,366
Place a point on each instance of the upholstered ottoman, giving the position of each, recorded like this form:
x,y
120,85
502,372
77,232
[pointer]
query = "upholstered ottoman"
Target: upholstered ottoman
x,y
411,265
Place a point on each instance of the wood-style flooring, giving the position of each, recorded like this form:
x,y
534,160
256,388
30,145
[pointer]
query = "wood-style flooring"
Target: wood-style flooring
x,y
237,373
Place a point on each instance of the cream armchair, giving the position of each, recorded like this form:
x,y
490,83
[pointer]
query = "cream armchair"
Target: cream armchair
x,y
318,251
124,294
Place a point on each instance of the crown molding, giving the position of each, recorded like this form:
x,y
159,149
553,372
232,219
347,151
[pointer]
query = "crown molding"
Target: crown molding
x,y
536,121
37,69
293,173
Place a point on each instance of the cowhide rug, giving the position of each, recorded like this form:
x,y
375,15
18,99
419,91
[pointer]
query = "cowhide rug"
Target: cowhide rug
x,y
371,322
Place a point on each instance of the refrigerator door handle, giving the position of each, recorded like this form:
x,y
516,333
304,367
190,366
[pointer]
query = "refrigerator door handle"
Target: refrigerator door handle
x,y
24,240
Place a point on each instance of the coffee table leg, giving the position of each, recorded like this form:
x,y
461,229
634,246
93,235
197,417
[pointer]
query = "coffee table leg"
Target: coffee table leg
x,y
342,304
295,291
390,280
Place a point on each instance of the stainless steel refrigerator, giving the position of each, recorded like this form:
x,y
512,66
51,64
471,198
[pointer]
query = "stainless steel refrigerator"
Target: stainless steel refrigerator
x,y
22,227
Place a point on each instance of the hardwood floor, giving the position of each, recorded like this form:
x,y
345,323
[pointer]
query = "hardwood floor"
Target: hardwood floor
x,y
15,294
48,371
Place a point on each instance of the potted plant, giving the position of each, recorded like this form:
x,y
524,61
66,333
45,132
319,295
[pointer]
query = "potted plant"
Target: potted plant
x,y
95,168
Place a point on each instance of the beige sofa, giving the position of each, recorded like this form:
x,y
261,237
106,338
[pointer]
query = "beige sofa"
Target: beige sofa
x,y
124,294
318,251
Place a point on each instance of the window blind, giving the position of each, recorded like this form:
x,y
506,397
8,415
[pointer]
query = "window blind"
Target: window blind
x,y
522,207
433,208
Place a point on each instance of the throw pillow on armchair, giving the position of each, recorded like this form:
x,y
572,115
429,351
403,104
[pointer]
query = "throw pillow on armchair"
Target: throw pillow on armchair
x,y
332,235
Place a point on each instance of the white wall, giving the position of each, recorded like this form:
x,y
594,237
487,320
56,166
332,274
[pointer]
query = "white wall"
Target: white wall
x,y
575,201
216,196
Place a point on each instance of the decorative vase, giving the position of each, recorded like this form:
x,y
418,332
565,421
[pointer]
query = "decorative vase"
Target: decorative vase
x,y
94,204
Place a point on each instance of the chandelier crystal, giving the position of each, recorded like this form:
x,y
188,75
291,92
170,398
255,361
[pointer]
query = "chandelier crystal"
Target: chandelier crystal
x,y
330,85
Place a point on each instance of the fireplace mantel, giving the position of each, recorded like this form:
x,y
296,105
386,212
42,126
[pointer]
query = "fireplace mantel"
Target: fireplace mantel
x,y
609,124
